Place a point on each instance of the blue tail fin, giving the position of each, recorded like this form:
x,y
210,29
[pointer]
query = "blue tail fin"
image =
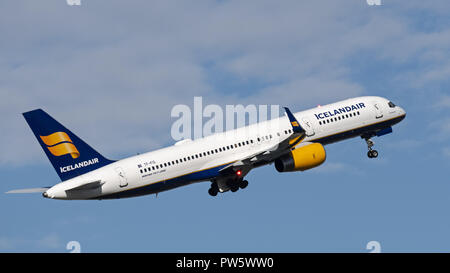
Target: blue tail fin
x,y
69,155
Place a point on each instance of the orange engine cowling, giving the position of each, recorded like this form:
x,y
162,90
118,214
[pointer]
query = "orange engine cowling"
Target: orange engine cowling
x,y
301,159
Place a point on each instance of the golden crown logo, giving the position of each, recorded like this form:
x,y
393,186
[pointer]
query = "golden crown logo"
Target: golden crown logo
x,y
59,144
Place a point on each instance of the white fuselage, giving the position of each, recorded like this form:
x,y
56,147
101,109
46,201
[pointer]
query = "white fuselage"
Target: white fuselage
x,y
192,161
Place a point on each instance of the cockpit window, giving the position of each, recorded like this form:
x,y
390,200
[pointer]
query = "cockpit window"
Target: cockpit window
x,y
391,104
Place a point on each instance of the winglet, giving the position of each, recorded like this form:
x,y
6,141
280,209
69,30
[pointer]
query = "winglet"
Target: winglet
x,y
296,127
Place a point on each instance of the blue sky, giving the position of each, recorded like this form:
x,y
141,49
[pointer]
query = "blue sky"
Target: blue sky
x,y
112,71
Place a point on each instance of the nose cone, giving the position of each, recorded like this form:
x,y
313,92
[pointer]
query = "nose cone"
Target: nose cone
x,y
45,194
401,112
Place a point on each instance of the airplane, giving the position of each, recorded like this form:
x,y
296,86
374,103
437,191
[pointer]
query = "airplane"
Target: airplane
x,y
294,142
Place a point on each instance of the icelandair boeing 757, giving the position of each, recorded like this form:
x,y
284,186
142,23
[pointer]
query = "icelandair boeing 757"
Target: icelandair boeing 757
x,y
294,142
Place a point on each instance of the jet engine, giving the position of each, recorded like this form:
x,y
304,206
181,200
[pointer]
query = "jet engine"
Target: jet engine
x,y
302,158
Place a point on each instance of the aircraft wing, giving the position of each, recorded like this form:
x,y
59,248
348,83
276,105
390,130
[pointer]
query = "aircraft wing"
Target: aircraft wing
x,y
273,152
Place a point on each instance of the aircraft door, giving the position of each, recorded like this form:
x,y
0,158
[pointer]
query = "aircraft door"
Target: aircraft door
x,y
122,177
378,110
308,127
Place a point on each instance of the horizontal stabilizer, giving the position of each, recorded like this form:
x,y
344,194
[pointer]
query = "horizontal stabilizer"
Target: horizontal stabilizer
x,y
33,190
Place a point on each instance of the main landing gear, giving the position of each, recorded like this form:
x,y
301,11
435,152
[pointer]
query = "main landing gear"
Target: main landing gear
x,y
213,190
233,184
371,153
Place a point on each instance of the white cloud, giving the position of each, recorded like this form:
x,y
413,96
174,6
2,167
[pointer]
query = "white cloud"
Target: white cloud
x,y
47,242
446,151
337,167
444,102
50,241
441,129
6,244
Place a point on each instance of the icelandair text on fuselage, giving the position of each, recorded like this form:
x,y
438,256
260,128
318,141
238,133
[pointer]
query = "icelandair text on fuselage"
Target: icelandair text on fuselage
x,y
338,111
78,165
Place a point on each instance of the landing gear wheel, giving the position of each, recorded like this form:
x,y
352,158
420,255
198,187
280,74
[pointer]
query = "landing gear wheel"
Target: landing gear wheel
x,y
372,154
212,192
214,189
234,188
243,184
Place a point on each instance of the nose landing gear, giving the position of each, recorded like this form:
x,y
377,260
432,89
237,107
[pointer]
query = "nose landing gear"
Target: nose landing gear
x,y
371,153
